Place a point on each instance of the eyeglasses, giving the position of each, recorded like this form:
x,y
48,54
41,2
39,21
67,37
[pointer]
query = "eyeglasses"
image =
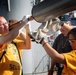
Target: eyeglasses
x,y
72,40
4,23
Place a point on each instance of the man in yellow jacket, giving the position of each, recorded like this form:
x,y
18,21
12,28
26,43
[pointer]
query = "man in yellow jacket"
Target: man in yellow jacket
x,y
10,63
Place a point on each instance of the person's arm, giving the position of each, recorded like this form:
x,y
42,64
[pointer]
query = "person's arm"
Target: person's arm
x,y
53,53
55,45
50,72
50,51
12,34
24,36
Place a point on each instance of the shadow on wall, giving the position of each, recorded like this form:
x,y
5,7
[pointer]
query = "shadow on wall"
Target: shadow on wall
x,y
3,8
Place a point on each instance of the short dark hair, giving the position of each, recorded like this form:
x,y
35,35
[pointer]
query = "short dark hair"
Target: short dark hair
x,y
73,32
12,21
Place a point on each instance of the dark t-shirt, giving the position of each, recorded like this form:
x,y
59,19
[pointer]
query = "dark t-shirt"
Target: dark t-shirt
x,y
61,44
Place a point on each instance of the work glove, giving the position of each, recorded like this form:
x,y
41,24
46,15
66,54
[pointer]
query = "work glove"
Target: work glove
x,y
53,26
50,27
37,36
45,29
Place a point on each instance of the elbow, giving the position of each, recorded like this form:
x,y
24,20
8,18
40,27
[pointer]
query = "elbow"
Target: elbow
x,y
53,57
58,58
28,46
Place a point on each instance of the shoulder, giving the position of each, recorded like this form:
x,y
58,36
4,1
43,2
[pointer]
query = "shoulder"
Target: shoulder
x,y
59,36
70,56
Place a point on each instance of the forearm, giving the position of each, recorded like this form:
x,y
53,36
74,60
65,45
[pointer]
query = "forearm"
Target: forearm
x,y
26,39
50,72
52,52
28,42
24,36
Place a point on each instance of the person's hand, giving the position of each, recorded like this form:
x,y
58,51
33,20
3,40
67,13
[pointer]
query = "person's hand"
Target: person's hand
x,y
37,36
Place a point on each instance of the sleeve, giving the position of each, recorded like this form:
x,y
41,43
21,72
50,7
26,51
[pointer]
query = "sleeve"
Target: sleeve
x,y
70,59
